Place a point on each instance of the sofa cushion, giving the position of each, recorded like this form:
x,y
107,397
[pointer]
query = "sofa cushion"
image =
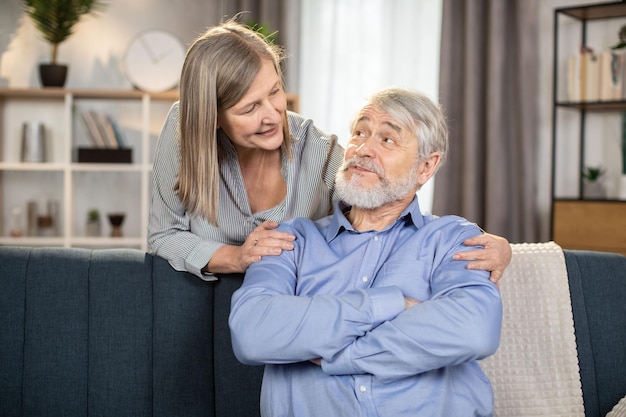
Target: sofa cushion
x,y
55,339
120,334
238,394
13,265
183,343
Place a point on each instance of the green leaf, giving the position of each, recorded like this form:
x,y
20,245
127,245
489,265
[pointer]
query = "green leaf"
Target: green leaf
x,y
55,19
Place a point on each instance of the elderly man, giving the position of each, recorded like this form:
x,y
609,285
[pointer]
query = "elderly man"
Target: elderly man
x,y
369,315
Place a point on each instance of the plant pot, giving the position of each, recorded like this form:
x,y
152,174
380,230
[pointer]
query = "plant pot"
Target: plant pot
x,y
594,190
52,75
93,228
622,187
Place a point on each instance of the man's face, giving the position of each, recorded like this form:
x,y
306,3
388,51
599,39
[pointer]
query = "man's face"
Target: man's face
x,y
381,163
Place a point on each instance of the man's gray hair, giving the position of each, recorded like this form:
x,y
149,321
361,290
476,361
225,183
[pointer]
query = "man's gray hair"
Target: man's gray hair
x,y
418,113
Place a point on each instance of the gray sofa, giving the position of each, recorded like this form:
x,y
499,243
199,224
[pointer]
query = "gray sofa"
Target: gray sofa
x,y
119,333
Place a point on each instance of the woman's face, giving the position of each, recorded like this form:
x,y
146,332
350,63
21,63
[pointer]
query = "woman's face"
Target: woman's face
x,y
256,121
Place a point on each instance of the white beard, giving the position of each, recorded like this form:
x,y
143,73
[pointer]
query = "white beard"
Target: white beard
x,y
354,193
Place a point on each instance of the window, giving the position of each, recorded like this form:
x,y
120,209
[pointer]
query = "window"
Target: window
x,y
351,48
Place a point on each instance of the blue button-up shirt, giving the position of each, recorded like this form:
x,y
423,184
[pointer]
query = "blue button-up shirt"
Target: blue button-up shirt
x,y
339,296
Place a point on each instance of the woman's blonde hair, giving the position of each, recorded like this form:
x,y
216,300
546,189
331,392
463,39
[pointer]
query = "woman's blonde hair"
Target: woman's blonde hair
x,y
218,70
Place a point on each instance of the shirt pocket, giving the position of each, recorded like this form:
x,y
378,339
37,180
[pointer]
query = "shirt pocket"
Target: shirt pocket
x,y
411,276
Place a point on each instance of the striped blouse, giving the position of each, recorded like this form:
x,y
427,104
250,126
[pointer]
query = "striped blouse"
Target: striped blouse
x,y
188,242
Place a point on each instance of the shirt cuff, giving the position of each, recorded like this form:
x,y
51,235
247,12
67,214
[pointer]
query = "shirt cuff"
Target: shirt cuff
x,y
199,257
387,303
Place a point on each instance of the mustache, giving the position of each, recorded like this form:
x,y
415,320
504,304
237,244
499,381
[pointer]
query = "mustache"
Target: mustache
x,y
364,163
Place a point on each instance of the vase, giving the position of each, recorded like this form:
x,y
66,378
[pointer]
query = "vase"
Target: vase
x,y
594,190
33,142
116,220
52,75
93,228
622,187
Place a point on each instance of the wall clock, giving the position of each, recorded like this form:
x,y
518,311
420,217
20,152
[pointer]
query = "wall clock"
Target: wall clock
x,y
153,60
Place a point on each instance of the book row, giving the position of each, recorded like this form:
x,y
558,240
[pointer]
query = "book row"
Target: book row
x,y
103,130
596,76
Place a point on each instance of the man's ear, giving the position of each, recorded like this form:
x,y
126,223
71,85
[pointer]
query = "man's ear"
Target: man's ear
x,y
428,168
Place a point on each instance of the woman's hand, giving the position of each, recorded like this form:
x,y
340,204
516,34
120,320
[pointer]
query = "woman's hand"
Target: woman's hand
x,y
495,256
263,241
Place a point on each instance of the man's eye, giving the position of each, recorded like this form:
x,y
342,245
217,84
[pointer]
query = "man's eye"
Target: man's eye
x,y
388,140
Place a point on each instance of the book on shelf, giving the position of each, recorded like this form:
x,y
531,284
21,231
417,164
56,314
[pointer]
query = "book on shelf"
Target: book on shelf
x,y
102,129
107,131
590,75
574,81
119,137
611,75
94,133
596,76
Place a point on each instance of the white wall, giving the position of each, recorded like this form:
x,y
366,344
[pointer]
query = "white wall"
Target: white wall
x,y
94,52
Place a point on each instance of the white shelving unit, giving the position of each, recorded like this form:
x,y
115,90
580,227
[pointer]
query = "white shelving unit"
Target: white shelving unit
x,y
77,187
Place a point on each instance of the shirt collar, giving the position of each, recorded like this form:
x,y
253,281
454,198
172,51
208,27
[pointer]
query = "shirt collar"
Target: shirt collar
x,y
339,222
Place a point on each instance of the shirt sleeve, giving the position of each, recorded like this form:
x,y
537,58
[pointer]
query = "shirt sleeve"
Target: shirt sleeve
x,y
270,324
169,233
459,323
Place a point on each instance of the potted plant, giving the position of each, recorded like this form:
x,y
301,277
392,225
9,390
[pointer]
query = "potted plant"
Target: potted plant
x,y
593,186
55,19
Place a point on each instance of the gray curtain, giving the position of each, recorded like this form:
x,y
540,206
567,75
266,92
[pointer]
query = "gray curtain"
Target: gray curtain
x,y
488,88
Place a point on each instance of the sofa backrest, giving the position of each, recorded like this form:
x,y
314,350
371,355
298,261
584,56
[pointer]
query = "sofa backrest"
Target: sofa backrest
x,y
115,333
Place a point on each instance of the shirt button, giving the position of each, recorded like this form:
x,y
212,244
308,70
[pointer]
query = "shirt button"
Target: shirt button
x,y
362,388
375,238
365,279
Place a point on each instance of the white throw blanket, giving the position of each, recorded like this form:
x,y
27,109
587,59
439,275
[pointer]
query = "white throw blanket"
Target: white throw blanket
x,y
619,410
535,370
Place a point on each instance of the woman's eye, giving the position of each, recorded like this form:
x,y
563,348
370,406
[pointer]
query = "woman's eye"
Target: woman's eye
x,y
250,109
388,140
